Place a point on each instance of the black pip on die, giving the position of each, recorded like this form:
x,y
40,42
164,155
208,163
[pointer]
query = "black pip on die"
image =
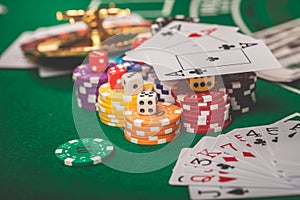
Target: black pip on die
x,y
132,83
147,103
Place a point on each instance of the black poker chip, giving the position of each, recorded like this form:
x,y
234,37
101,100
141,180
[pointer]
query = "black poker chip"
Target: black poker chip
x,y
163,21
241,88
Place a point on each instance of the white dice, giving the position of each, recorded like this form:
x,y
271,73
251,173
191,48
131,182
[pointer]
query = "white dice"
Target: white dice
x,y
147,103
132,83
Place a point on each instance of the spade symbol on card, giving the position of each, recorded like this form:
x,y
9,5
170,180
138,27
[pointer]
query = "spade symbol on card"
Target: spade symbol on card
x,y
238,191
226,46
224,166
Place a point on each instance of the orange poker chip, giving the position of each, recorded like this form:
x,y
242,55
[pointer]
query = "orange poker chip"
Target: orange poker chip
x,y
166,115
153,137
163,132
159,131
151,129
147,142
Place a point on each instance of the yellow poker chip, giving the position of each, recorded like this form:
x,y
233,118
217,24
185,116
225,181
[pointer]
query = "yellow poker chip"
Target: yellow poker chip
x,y
114,108
108,94
105,92
159,131
116,103
100,108
166,114
108,123
111,116
113,120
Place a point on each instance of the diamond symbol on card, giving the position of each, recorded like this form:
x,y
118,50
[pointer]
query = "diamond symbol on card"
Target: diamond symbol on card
x,y
230,159
248,154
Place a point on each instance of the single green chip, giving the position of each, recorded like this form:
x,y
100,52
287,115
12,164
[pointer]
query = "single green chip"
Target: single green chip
x,y
84,151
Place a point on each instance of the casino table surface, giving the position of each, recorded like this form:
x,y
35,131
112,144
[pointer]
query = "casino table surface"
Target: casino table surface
x,y
37,115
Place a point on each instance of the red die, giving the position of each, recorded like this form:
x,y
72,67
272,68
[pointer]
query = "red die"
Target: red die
x,y
114,76
137,42
98,60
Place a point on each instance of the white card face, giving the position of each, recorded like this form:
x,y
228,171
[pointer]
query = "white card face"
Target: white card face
x,y
237,192
225,59
13,57
177,177
179,31
212,178
252,138
288,143
188,50
205,149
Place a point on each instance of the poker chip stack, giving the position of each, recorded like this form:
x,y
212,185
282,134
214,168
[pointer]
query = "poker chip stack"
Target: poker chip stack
x,y
160,128
113,104
86,85
162,88
204,112
241,88
163,21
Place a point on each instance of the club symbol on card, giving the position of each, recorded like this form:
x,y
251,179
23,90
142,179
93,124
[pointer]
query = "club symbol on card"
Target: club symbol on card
x,y
212,59
226,47
238,191
260,141
224,166
197,71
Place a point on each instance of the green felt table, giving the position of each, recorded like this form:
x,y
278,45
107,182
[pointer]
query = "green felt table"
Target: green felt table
x,y
37,115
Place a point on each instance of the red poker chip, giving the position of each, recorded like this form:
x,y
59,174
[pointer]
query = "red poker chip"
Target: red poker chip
x,y
206,119
206,112
208,130
201,108
200,104
205,127
208,96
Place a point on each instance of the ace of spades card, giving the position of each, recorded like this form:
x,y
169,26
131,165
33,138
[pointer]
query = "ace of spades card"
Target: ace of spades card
x,y
181,50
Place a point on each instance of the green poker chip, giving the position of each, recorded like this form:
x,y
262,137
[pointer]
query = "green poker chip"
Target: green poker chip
x,y
84,151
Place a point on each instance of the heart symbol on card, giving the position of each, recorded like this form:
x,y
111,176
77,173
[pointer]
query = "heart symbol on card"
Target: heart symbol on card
x,y
194,35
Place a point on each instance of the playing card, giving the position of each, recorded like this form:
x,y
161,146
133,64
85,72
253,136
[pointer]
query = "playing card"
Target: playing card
x,y
180,32
226,58
288,141
177,177
283,41
205,149
251,138
239,192
13,56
